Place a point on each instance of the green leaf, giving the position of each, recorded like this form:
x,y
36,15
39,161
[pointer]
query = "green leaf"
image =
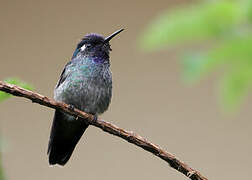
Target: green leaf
x,y
227,24
199,22
233,56
1,169
235,85
16,81
195,66
248,9
230,53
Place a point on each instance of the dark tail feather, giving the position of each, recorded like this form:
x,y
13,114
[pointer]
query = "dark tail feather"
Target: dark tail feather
x,y
65,134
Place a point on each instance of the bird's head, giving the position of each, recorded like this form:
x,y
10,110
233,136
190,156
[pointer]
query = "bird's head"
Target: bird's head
x,y
95,45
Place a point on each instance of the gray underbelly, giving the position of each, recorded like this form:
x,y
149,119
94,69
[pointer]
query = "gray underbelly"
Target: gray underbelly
x,y
92,96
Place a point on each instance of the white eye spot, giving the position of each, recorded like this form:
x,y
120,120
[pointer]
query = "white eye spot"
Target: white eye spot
x,y
83,47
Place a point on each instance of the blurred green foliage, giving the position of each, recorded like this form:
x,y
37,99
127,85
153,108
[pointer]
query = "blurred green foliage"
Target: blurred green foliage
x,y
4,96
224,27
1,169
16,81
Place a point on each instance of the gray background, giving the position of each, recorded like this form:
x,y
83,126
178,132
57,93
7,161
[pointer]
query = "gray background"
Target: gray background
x,y
39,37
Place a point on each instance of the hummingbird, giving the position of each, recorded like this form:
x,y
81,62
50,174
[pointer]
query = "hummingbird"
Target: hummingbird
x,y
85,84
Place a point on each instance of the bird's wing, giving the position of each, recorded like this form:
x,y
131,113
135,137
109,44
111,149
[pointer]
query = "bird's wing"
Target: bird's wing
x,y
63,75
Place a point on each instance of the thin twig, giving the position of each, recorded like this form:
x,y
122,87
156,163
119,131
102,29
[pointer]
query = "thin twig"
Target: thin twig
x,y
129,136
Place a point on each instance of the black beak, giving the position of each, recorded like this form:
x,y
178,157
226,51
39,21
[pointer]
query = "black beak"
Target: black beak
x,y
107,39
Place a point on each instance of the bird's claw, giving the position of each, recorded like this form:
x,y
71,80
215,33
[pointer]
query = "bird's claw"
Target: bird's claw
x,y
95,118
190,173
71,107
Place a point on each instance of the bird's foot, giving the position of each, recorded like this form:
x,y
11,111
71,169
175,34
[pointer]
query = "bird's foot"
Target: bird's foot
x,y
71,107
95,118
191,173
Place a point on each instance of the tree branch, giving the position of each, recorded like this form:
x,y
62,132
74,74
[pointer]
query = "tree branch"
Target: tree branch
x,y
129,136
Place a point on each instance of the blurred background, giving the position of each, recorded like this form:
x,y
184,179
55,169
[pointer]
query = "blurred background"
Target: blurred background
x,y
182,75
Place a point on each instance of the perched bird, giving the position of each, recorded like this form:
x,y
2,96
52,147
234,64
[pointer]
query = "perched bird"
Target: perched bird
x,y
86,84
